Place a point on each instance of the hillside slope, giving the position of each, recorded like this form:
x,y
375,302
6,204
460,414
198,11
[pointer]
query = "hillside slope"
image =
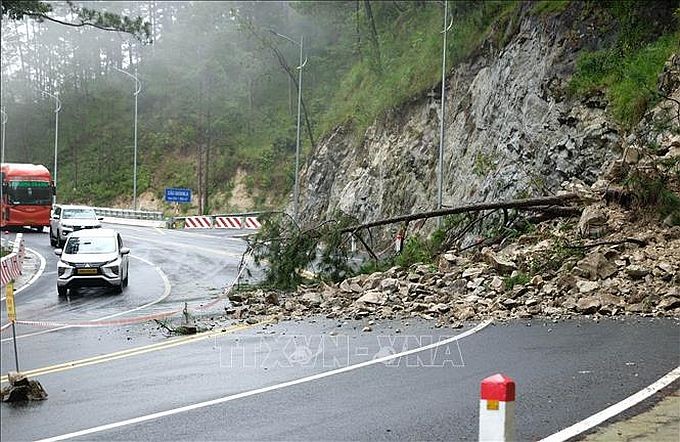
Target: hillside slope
x,y
512,128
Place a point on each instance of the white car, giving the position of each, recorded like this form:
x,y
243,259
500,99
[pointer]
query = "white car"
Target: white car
x,y
93,258
68,219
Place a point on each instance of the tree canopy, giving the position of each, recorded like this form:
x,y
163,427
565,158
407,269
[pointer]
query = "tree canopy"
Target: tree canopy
x,y
106,21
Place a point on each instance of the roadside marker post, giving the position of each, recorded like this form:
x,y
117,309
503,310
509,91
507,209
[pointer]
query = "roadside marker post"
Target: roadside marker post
x,y
497,409
399,242
12,317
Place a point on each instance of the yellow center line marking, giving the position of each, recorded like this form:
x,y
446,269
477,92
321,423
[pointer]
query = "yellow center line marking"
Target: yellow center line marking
x,y
133,351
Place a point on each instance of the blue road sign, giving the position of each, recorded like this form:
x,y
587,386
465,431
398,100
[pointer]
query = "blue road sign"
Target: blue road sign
x,y
177,195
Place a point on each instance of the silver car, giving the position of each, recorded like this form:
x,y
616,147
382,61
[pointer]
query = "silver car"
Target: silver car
x,y
93,258
68,219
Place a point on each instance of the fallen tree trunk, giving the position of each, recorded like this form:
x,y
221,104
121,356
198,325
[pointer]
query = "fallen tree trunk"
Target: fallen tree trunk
x,y
528,203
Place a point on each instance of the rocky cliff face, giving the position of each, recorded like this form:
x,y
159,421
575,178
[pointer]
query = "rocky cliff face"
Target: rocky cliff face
x,y
510,131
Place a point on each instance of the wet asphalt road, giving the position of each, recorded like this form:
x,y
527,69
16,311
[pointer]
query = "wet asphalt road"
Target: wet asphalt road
x,y
564,372
197,266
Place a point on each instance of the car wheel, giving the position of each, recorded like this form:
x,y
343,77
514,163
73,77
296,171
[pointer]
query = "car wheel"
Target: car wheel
x,y
118,289
125,281
53,241
62,291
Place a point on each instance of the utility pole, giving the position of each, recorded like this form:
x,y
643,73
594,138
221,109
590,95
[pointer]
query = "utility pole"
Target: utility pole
x,y
138,88
57,108
296,190
440,165
2,160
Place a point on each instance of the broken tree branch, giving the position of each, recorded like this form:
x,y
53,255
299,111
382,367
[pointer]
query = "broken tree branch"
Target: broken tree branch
x,y
528,203
368,249
639,242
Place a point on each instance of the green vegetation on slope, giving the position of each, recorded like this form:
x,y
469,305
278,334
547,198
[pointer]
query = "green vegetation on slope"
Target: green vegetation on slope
x,y
628,70
630,79
411,48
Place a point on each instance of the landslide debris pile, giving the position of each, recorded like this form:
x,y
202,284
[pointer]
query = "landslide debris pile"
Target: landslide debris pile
x,y
544,274
618,259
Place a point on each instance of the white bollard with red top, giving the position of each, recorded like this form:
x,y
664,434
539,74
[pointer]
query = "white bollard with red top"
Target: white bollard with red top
x,y
497,409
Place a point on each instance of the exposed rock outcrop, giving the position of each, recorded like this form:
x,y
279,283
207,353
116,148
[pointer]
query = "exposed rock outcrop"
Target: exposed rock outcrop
x,y
509,131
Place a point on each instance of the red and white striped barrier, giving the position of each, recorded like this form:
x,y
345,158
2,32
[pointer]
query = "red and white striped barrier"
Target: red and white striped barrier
x,y
198,222
12,264
227,222
252,223
497,409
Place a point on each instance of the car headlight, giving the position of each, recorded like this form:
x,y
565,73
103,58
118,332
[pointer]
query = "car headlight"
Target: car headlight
x,y
64,269
112,269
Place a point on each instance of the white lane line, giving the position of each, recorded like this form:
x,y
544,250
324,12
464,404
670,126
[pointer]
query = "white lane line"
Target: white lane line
x,y
166,293
159,230
245,394
619,407
35,277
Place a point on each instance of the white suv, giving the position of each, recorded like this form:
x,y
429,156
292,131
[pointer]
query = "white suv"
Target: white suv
x,y
68,219
93,258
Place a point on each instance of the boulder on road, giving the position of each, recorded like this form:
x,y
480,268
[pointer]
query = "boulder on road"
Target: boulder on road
x,y
372,297
21,389
590,304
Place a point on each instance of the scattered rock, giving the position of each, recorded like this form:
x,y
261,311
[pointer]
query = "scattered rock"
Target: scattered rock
x,y
669,302
593,222
588,305
22,389
587,286
503,267
595,266
636,272
372,297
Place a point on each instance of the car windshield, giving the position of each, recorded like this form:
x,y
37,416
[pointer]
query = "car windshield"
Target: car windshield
x,y
29,192
79,213
82,245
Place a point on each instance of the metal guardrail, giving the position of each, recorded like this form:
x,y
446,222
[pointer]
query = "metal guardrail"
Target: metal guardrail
x,y
238,215
171,222
130,214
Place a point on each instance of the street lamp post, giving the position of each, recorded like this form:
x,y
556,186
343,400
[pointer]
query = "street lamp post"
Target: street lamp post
x,y
4,121
2,156
296,190
138,88
57,108
440,167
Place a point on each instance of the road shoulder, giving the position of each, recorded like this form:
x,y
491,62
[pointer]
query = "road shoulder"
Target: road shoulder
x,y
659,423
